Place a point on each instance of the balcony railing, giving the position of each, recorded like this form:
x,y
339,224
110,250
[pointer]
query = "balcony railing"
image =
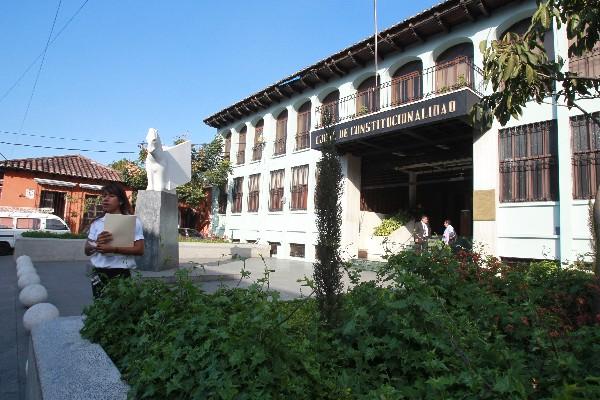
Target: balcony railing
x,y
279,146
257,151
433,81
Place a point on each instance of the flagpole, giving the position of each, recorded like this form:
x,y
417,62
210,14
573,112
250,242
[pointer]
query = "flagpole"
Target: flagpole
x,y
375,23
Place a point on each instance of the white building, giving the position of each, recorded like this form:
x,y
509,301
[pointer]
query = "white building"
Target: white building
x,y
521,191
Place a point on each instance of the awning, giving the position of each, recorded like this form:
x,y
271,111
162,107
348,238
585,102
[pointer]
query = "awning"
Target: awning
x,y
53,182
90,187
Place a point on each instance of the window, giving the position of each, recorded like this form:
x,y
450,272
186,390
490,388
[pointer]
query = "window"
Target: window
x,y
303,132
407,83
587,64
237,194
53,200
227,150
259,142
92,210
367,97
253,192
586,156
299,187
55,225
296,250
6,223
330,108
222,200
454,68
28,223
241,154
276,190
280,134
1,182
528,168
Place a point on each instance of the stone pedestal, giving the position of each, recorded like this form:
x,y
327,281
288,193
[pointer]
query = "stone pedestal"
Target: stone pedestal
x,y
159,215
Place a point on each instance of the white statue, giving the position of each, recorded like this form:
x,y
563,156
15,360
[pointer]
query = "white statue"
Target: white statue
x,y
167,167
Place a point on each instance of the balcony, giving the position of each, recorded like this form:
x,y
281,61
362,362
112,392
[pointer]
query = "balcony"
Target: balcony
x,y
434,81
241,156
257,151
279,146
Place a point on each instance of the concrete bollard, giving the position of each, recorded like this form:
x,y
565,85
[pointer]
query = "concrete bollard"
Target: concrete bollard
x,y
39,313
28,279
23,260
33,294
27,269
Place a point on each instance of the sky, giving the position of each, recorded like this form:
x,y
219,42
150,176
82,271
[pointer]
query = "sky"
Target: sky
x,y
121,67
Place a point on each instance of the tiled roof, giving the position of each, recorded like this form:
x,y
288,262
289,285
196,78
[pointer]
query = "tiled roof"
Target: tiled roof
x,y
69,165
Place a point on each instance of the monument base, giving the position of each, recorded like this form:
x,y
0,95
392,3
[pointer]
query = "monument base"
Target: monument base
x,y
158,213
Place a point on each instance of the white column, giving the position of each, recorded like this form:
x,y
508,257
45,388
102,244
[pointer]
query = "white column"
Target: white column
x,y
351,169
565,174
292,127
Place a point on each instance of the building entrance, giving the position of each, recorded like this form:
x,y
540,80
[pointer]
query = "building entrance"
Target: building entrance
x,y
425,171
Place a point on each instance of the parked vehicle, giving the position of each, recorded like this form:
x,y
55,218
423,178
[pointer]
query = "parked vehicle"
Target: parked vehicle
x,y
190,233
16,220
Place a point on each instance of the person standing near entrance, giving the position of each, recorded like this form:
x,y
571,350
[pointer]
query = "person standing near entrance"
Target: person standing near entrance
x,y
422,233
108,261
449,236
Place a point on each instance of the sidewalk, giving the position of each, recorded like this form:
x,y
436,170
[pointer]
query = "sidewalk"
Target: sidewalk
x,y
68,289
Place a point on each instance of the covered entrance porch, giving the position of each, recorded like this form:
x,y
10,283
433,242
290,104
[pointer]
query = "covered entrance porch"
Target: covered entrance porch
x,y
416,159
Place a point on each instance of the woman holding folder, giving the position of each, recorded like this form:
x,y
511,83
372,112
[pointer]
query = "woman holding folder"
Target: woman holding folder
x,y
108,260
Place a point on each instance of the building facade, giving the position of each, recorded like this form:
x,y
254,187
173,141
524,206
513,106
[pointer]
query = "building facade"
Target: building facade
x,y
69,185
521,190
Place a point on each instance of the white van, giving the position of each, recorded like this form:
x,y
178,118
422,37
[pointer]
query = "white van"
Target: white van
x,y
16,220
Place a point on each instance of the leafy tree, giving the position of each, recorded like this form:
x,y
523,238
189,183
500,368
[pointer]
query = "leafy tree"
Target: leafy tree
x,y
327,269
519,69
132,173
208,169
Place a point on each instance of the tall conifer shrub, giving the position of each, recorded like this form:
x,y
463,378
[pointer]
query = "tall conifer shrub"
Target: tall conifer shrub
x,y
328,267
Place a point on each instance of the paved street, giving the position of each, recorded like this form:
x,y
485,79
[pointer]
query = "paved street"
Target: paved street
x,y
69,290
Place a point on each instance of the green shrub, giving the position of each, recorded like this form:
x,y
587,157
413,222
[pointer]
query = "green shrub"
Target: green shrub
x,y
389,225
432,326
52,235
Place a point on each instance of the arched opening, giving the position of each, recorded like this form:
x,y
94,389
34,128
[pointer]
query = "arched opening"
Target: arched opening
x,y
280,133
330,108
454,68
367,97
259,142
521,27
241,154
227,149
407,83
303,131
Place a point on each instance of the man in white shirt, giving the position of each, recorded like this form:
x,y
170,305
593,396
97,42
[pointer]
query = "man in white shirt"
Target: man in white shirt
x,y
449,235
422,233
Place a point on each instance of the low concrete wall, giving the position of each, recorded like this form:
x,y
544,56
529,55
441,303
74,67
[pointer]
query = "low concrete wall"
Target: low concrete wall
x,y
64,366
51,249
191,250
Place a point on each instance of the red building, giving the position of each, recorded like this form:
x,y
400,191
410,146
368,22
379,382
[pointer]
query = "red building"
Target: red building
x,y
68,184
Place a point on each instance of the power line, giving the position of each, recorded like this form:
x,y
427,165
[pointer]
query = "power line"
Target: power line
x,y
38,146
64,138
37,76
10,89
